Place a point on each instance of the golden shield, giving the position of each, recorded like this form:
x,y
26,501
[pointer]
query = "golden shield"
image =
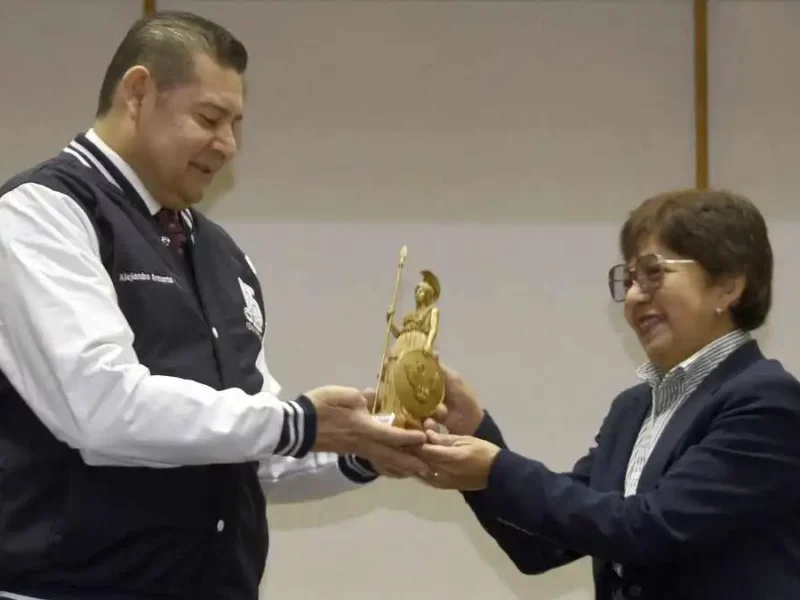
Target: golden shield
x,y
418,382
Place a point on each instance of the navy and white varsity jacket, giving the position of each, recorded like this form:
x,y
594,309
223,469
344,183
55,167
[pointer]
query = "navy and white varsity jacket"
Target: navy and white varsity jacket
x,y
139,425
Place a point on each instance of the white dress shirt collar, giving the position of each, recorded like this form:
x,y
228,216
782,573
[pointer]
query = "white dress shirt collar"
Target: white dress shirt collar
x,y
152,205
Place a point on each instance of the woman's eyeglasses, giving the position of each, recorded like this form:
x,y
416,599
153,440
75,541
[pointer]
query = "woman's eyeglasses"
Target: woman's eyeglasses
x,y
648,272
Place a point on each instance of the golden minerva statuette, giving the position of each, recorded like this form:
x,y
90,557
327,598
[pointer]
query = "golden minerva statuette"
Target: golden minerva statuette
x,y
411,382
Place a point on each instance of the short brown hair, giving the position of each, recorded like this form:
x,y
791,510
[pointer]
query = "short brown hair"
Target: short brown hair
x,y
724,232
166,43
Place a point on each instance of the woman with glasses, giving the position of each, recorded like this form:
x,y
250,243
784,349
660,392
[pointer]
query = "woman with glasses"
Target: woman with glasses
x,y
692,488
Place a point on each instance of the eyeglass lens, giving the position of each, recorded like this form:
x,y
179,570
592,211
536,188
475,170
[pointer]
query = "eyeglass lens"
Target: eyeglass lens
x,y
648,272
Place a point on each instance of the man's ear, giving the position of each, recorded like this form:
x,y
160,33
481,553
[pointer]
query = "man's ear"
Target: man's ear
x,y
134,87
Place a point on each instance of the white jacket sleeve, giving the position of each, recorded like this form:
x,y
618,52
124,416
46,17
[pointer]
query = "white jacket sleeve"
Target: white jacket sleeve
x,y
313,477
67,349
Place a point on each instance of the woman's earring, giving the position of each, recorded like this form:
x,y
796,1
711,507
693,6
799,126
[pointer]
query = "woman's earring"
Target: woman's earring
x,y
718,310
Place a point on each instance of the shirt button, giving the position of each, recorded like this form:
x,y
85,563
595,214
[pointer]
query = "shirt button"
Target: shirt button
x,y
215,332
220,525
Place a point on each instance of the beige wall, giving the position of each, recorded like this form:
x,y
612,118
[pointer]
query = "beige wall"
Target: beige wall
x,y
534,127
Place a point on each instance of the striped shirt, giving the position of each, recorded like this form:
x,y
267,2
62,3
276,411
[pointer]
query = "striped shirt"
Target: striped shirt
x,y
669,392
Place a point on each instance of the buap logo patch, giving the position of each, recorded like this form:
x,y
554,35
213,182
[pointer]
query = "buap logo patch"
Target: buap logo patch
x,y
252,312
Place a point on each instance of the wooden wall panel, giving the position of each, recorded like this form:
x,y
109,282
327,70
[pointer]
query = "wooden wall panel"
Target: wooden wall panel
x,y
701,92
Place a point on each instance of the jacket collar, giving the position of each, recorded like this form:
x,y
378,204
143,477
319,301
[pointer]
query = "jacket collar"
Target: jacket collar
x,y
92,150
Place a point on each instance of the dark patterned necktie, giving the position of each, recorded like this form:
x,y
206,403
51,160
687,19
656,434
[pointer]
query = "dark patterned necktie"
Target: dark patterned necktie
x,y
172,225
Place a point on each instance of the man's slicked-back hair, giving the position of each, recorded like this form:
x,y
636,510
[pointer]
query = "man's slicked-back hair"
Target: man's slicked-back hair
x,y
166,43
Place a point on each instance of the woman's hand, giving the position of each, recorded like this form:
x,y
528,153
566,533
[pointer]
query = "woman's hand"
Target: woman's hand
x,y
457,462
463,414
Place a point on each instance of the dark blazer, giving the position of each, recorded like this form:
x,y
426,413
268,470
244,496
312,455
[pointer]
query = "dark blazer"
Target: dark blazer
x,y
717,513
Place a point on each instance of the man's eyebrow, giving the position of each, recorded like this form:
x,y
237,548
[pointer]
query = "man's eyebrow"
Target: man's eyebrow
x,y
220,109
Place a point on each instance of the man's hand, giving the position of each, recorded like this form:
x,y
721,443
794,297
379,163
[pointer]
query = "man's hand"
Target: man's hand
x,y
457,462
462,413
345,426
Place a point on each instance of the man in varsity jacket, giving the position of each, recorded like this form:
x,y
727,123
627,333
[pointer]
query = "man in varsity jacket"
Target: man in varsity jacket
x,y
139,425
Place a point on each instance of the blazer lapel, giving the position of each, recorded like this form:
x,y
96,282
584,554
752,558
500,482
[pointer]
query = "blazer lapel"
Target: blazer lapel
x,y
626,430
681,422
